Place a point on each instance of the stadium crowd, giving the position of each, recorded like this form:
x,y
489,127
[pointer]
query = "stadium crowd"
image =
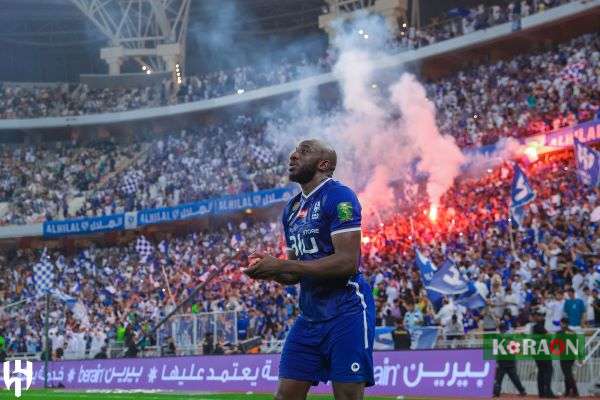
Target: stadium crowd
x,y
557,248
476,106
71,100
529,94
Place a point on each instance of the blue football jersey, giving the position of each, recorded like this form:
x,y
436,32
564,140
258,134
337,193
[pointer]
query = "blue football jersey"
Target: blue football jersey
x,y
309,223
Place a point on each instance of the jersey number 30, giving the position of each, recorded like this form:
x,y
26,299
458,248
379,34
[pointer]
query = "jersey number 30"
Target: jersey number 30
x,y
300,248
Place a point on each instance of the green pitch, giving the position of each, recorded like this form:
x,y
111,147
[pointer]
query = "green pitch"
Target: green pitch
x,y
66,395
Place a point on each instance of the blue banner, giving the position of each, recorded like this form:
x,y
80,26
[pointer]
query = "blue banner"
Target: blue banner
x,y
84,225
220,205
588,164
448,280
134,219
587,132
521,193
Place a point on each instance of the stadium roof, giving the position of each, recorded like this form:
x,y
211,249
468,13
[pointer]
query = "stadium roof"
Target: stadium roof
x,y
50,40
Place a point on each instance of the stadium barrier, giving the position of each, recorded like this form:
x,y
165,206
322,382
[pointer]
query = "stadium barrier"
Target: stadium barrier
x,y
426,373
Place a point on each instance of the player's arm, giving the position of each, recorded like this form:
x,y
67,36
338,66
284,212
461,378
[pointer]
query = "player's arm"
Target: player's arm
x,y
343,263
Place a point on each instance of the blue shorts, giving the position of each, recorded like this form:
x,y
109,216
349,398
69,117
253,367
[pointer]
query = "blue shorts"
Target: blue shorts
x,y
337,350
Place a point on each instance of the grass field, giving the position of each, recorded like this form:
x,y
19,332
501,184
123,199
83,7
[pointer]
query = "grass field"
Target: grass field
x,y
65,395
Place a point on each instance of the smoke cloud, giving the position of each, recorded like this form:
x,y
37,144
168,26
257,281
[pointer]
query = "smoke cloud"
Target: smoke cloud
x,y
383,133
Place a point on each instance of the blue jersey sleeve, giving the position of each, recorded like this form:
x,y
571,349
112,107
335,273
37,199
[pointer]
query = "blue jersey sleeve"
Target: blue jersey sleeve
x,y
343,210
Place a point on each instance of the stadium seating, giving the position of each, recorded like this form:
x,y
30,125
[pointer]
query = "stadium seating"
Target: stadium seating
x,y
100,290
537,93
66,100
116,285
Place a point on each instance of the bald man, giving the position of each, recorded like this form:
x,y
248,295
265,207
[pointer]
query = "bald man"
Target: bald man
x,y
332,339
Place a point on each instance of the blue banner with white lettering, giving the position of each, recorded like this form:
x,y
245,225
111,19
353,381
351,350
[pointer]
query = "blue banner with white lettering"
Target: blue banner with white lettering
x,y
521,193
134,219
587,132
588,164
84,225
220,205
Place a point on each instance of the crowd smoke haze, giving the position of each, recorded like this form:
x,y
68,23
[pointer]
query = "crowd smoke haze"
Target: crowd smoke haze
x,y
382,135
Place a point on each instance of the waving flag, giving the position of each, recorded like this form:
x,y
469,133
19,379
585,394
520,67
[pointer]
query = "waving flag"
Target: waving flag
x,y
79,310
163,246
448,280
144,248
471,299
131,181
427,270
521,194
43,274
588,163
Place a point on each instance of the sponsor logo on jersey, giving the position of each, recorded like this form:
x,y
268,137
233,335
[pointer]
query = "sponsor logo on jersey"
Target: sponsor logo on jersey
x,y
302,213
316,211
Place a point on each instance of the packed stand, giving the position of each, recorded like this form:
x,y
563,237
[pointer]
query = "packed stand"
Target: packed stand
x,y
462,21
209,161
38,181
477,107
530,94
73,100
102,280
68,100
557,249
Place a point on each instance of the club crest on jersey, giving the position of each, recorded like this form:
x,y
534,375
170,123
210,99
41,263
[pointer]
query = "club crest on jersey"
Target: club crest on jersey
x,y
316,211
344,211
296,206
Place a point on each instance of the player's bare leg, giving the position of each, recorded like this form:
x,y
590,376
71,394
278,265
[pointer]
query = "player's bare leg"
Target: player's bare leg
x,y
348,391
290,389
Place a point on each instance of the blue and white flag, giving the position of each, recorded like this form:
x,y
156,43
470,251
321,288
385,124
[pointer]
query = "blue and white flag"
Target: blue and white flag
x,y
448,280
427,270
78,309
471,299
43,274
144,248
131,181
426,267
521,194
163,247
588,163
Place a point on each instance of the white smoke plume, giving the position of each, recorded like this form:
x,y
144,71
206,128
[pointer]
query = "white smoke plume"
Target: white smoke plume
x,y
381,132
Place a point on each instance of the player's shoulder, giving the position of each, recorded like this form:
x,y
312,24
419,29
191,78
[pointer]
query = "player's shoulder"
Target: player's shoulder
x,y
337,191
